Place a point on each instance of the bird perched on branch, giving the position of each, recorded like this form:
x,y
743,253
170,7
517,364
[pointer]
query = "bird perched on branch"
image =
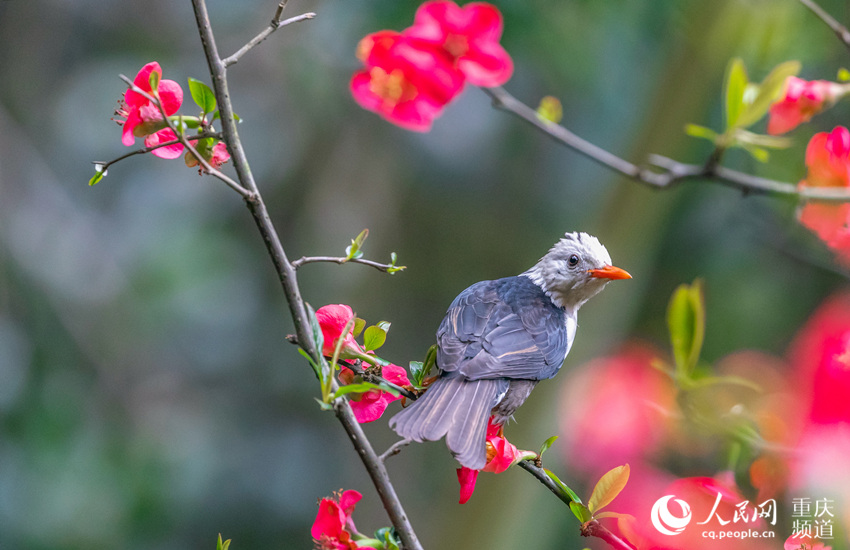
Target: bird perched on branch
x,y
498,339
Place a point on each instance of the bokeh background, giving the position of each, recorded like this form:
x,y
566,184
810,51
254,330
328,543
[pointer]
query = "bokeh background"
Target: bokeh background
x,y
148,398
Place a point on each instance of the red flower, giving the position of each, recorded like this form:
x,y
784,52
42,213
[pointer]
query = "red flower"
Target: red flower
x,y
828,161
333,320
143,118
215,156
404,82
369,406
501,455
333,526
802,100
470,35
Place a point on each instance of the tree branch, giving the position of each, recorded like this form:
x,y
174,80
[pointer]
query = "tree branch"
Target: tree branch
x,y
274,25
673,172
840,30
287,276
386,268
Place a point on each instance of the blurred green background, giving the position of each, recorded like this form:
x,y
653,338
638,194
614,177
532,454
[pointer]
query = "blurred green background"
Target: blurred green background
x,y
148,398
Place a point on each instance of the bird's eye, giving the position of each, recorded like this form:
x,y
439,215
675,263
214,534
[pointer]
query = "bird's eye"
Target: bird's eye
x,y
573,261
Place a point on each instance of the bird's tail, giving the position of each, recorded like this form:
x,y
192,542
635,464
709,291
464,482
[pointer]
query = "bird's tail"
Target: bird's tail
x,y
457,409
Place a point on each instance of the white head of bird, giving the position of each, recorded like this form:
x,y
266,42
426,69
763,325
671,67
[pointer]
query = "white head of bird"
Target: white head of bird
x,y
574,270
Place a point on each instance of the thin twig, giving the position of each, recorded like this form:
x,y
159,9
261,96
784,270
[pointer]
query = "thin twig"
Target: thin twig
x,y
274,25
395,448
591,528
106,164
182,139
673,172
288,279
544,478
357,369
595,529
386,268
839,29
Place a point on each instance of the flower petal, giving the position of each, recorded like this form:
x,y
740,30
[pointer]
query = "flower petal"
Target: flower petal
x,y
167,152
466,477
170,95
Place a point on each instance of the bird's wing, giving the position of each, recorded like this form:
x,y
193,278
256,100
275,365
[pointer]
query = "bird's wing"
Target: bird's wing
x,y
502,329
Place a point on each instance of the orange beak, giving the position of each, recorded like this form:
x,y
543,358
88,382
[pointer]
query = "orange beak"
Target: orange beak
x,y
609,272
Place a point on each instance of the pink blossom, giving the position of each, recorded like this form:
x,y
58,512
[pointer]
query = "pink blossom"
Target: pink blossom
x,y
333,526
404,82
470,35
143,118
333,320
369,406
801,101
828,163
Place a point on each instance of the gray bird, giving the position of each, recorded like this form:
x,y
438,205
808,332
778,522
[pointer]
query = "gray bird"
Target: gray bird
x,y
498,339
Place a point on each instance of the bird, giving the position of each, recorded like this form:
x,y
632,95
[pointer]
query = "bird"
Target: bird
x,y
499,338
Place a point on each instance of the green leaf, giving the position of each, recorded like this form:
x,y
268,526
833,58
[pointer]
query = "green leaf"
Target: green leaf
x,y
736,83
550,109
374,337
353,252
618,515
389,536
843,75
324,406
760,154
546,444
608,487
392,267
363,387
99,174
727,380
762,140
313,364
153,80
217,115
697,131
222,545
359,325
415,368
202,95
769,90
581,512
318,338
563,486
686,322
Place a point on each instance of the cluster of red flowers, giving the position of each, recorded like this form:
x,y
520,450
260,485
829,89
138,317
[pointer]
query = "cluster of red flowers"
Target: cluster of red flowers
x,y
410,76
368,406
827,156
143,118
